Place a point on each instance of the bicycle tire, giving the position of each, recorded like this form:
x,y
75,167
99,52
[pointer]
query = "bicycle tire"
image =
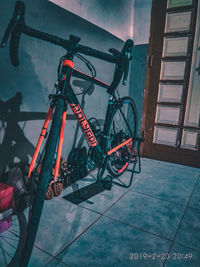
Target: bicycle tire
x,y
122,126
38,202
11,241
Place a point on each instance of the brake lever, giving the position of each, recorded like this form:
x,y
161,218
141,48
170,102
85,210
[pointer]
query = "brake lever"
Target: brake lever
x,y
127,58
18,15
8,32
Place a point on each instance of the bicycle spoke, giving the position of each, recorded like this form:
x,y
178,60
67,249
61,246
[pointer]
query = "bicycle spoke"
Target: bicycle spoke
x,y
9,244
11,241
14,239
3,253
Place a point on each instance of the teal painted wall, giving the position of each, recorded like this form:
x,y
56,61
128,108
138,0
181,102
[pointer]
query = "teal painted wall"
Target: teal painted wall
x,y
141,32
137,78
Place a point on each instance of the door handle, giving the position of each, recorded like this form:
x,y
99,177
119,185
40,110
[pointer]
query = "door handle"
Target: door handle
x,y
198,68
150,60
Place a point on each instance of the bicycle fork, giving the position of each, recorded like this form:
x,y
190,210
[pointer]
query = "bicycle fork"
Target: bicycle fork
x,y
43,134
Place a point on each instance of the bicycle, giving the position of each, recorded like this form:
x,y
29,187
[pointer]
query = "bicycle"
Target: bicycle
x,y
112,150
11,240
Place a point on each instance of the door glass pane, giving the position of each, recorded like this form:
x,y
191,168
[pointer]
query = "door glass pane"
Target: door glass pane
x,y
165,135
175,46
190,139
173,70
192,116
178,22
166,114
170,93
177,3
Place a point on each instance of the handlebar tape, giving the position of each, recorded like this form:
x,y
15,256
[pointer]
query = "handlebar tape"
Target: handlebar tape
x,y
15,28
43,36
126,55
14,46
122,67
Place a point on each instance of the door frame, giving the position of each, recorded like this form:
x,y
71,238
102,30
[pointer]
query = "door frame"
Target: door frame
x,y
148,148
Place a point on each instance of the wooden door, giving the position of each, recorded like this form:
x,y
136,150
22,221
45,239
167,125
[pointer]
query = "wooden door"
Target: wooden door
x,y
171,113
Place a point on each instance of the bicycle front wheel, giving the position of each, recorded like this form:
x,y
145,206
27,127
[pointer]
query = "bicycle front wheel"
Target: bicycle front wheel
x,y
121,136
11,241
45,173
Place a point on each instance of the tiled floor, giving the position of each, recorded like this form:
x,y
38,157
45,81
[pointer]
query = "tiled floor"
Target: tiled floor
x,y
155,222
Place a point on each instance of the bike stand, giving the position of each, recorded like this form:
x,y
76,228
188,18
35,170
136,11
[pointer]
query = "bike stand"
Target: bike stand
x,y
138,140
99,186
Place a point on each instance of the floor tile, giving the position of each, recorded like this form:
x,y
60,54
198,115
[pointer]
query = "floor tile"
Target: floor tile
x,y
189,231
171,186
183,257
148,163
111,243
181,172
56,263
171,169
60,223
102,201
188,169
154,203
195,200
147,213
39,258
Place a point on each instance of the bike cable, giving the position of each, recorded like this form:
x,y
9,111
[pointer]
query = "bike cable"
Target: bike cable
x,y
89,65
117,92
91,68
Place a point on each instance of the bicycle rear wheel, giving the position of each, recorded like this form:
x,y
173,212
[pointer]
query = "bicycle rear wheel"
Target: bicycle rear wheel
x,y
11,241
121,136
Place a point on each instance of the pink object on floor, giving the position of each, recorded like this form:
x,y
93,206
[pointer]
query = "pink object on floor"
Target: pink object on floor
x,y
6,197
5,224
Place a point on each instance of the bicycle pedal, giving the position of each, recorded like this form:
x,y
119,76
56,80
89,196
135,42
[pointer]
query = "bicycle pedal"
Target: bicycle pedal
x,y
49,193
57,188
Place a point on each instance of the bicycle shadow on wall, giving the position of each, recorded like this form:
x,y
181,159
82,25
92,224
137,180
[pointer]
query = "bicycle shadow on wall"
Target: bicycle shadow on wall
x,y
15,147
